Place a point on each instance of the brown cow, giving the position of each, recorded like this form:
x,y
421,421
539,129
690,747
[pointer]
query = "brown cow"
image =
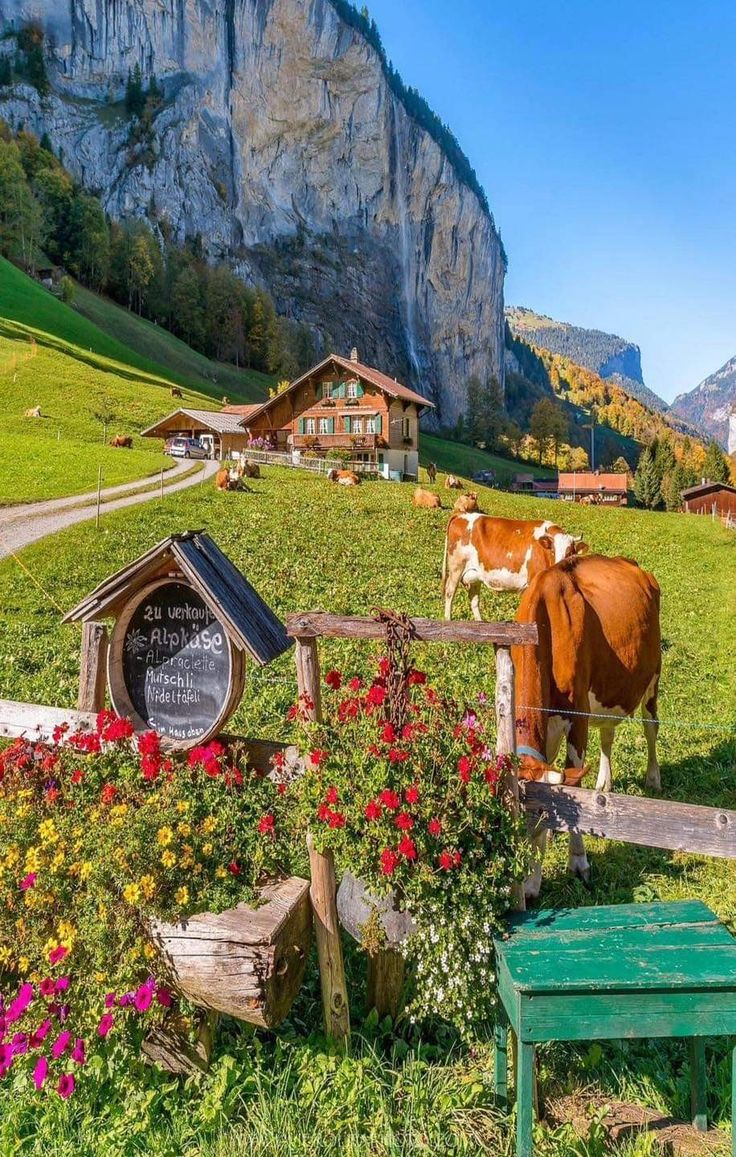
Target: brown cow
x,y
426,499
344,477
176,392
432,472
250,469
122,442
466,504
502,553
453,483
599,655
222,480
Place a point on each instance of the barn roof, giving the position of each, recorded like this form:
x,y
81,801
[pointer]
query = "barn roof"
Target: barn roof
x,y
249,622
588,481
219,421
707,488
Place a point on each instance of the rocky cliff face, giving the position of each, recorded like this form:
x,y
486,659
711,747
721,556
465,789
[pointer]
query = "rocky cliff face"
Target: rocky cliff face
x,y
712,404
281,143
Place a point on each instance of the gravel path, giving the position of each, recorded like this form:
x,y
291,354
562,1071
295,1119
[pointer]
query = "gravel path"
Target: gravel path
x,y
21,525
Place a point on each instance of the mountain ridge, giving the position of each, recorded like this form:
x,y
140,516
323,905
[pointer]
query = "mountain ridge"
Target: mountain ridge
x,y
711,402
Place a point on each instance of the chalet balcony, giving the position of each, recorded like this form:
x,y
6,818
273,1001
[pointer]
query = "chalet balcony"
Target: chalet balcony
x,y
324,443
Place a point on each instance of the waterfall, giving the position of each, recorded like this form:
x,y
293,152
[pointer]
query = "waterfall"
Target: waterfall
x,y
406,255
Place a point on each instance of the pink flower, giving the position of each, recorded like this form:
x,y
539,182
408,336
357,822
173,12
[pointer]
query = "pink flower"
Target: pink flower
x,y
62,984
143,997
78,1054
28,881
40,1034
106,1023
47,987
164,997
40,1072
110,1000
20,1044
17,1007
57,954
65,1087
61,1044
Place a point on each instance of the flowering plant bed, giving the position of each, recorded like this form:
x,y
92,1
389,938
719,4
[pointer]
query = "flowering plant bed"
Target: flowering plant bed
x,y
405,788
103,834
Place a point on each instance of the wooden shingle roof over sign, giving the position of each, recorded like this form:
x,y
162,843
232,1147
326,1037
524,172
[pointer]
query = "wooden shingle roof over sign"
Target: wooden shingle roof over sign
x,y
249,622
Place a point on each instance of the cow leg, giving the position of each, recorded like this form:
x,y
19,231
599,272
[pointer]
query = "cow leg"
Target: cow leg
x,y
452,578
577,742
474,590
533,882
651,730
605,779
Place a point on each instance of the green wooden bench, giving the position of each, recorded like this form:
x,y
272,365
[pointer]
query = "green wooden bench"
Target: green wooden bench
x,y
634,970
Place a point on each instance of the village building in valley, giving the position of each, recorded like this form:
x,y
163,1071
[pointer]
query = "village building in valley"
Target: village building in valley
x,y
339,407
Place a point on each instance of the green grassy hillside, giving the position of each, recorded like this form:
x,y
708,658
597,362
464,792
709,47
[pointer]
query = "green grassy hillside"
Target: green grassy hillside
x,y
456,458
306,544
79,373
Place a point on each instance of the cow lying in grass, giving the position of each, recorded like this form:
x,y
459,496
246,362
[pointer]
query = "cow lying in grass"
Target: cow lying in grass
x,y
122,442
598,660
426,499
344,477
501,553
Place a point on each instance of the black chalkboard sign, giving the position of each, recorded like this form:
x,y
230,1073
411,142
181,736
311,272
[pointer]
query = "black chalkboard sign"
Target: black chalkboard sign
x,y
171,664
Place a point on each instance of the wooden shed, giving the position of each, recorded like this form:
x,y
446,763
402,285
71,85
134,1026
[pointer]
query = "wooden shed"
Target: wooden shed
x,y
715,498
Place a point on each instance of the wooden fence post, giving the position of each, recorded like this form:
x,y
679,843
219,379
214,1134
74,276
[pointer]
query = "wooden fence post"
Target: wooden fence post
x,y
323,889
93,667
506,741
385,982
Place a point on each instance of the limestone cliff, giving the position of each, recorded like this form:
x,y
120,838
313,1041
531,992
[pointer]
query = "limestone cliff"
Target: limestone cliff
x,y
283,145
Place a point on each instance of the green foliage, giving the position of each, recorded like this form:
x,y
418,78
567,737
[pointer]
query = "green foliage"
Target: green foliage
x,y
485,420
30,61
715,466
135,98
647,481
548,427
67,289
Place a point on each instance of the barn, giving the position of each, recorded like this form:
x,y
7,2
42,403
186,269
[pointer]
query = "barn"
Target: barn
x,y
599,489
716,498
223,432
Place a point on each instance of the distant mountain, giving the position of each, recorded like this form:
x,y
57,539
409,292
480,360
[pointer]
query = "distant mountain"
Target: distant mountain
x,y
605,354
710,403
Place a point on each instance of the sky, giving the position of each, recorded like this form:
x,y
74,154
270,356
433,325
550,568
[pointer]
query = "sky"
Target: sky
x,y
604,132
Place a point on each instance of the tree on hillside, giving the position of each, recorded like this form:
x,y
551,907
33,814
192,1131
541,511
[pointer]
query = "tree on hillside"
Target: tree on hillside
x,y
646,481
21,220
621,466
88,242
548,426
187,307
673,484
135,98
473,410
577,459
715,466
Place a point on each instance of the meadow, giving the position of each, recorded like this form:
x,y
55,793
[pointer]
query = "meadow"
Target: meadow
x,y
307,545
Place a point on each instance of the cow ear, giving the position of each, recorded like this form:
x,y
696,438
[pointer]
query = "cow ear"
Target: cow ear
x,y
546,542
574,775
581,548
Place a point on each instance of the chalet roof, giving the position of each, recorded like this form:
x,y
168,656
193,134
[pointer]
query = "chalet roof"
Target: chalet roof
x,y
618,483
707,488
250,623
244,412
219,421
381,381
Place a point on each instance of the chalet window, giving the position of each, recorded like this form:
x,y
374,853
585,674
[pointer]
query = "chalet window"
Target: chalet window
x,y
356,426
352,390
370,425
309,426
327,390
326,425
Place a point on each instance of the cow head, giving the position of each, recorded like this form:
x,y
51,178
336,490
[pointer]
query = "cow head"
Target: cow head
x,y
563,546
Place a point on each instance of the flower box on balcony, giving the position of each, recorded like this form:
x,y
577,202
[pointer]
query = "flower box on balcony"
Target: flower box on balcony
x,y
352,401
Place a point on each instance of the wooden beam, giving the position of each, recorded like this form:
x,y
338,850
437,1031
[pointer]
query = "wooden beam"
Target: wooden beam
x,y
316,624
506,743
93,667
650,823
329,944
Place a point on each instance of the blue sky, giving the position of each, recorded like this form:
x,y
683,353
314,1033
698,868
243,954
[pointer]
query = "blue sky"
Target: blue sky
x,y
604,132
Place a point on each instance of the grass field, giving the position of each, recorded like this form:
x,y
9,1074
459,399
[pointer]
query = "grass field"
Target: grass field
x,y
466,460
307,545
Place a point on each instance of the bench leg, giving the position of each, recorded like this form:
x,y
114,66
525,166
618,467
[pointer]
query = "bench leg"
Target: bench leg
x,y
524,1100
501,1060
697,1084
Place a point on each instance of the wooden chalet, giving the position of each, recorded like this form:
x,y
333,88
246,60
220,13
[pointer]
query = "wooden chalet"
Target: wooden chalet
x,y
594,488
716,498
343,405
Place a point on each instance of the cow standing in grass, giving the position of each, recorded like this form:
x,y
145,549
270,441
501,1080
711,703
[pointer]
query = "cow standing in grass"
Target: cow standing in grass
x,y
501,553
598,659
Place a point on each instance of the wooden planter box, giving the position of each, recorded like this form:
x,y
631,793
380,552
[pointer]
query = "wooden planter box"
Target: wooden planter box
x,y
247,962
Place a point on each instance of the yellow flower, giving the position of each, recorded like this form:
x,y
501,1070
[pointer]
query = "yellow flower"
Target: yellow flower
x,y
132,893
5,955
33,860
23,964
22,810
209,825
165,836
58,860
182,896
119,809
198,869
12,855
182,807
184,829
207,849
147,885
149,951
221,873
47,832
168,859
67,932
85,870
100,977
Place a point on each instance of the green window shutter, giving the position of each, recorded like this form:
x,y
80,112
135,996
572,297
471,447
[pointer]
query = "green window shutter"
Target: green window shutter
x,y
346,420
359,391
301,425
319,392
378,420
341,389
330,425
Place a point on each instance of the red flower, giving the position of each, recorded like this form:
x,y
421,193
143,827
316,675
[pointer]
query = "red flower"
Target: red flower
x,y
434,827
234,868
318,757
384,668
375,751
407,732
112,728
52,795
389,862
408,849
414,678
446,861
411,795
456,858
336,820
324,811
348,709
77,776
373,810
108,793
333,679
398,755
281,789
491,776
355,683
149,743
267,825
332,795
464,768
404,822
59,732
388,734
150,767
278,760
234,777
390,799
376,696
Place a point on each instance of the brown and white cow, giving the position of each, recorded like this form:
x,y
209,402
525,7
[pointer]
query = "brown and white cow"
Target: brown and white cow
x,y
344,477
598,659
426,499
503,553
